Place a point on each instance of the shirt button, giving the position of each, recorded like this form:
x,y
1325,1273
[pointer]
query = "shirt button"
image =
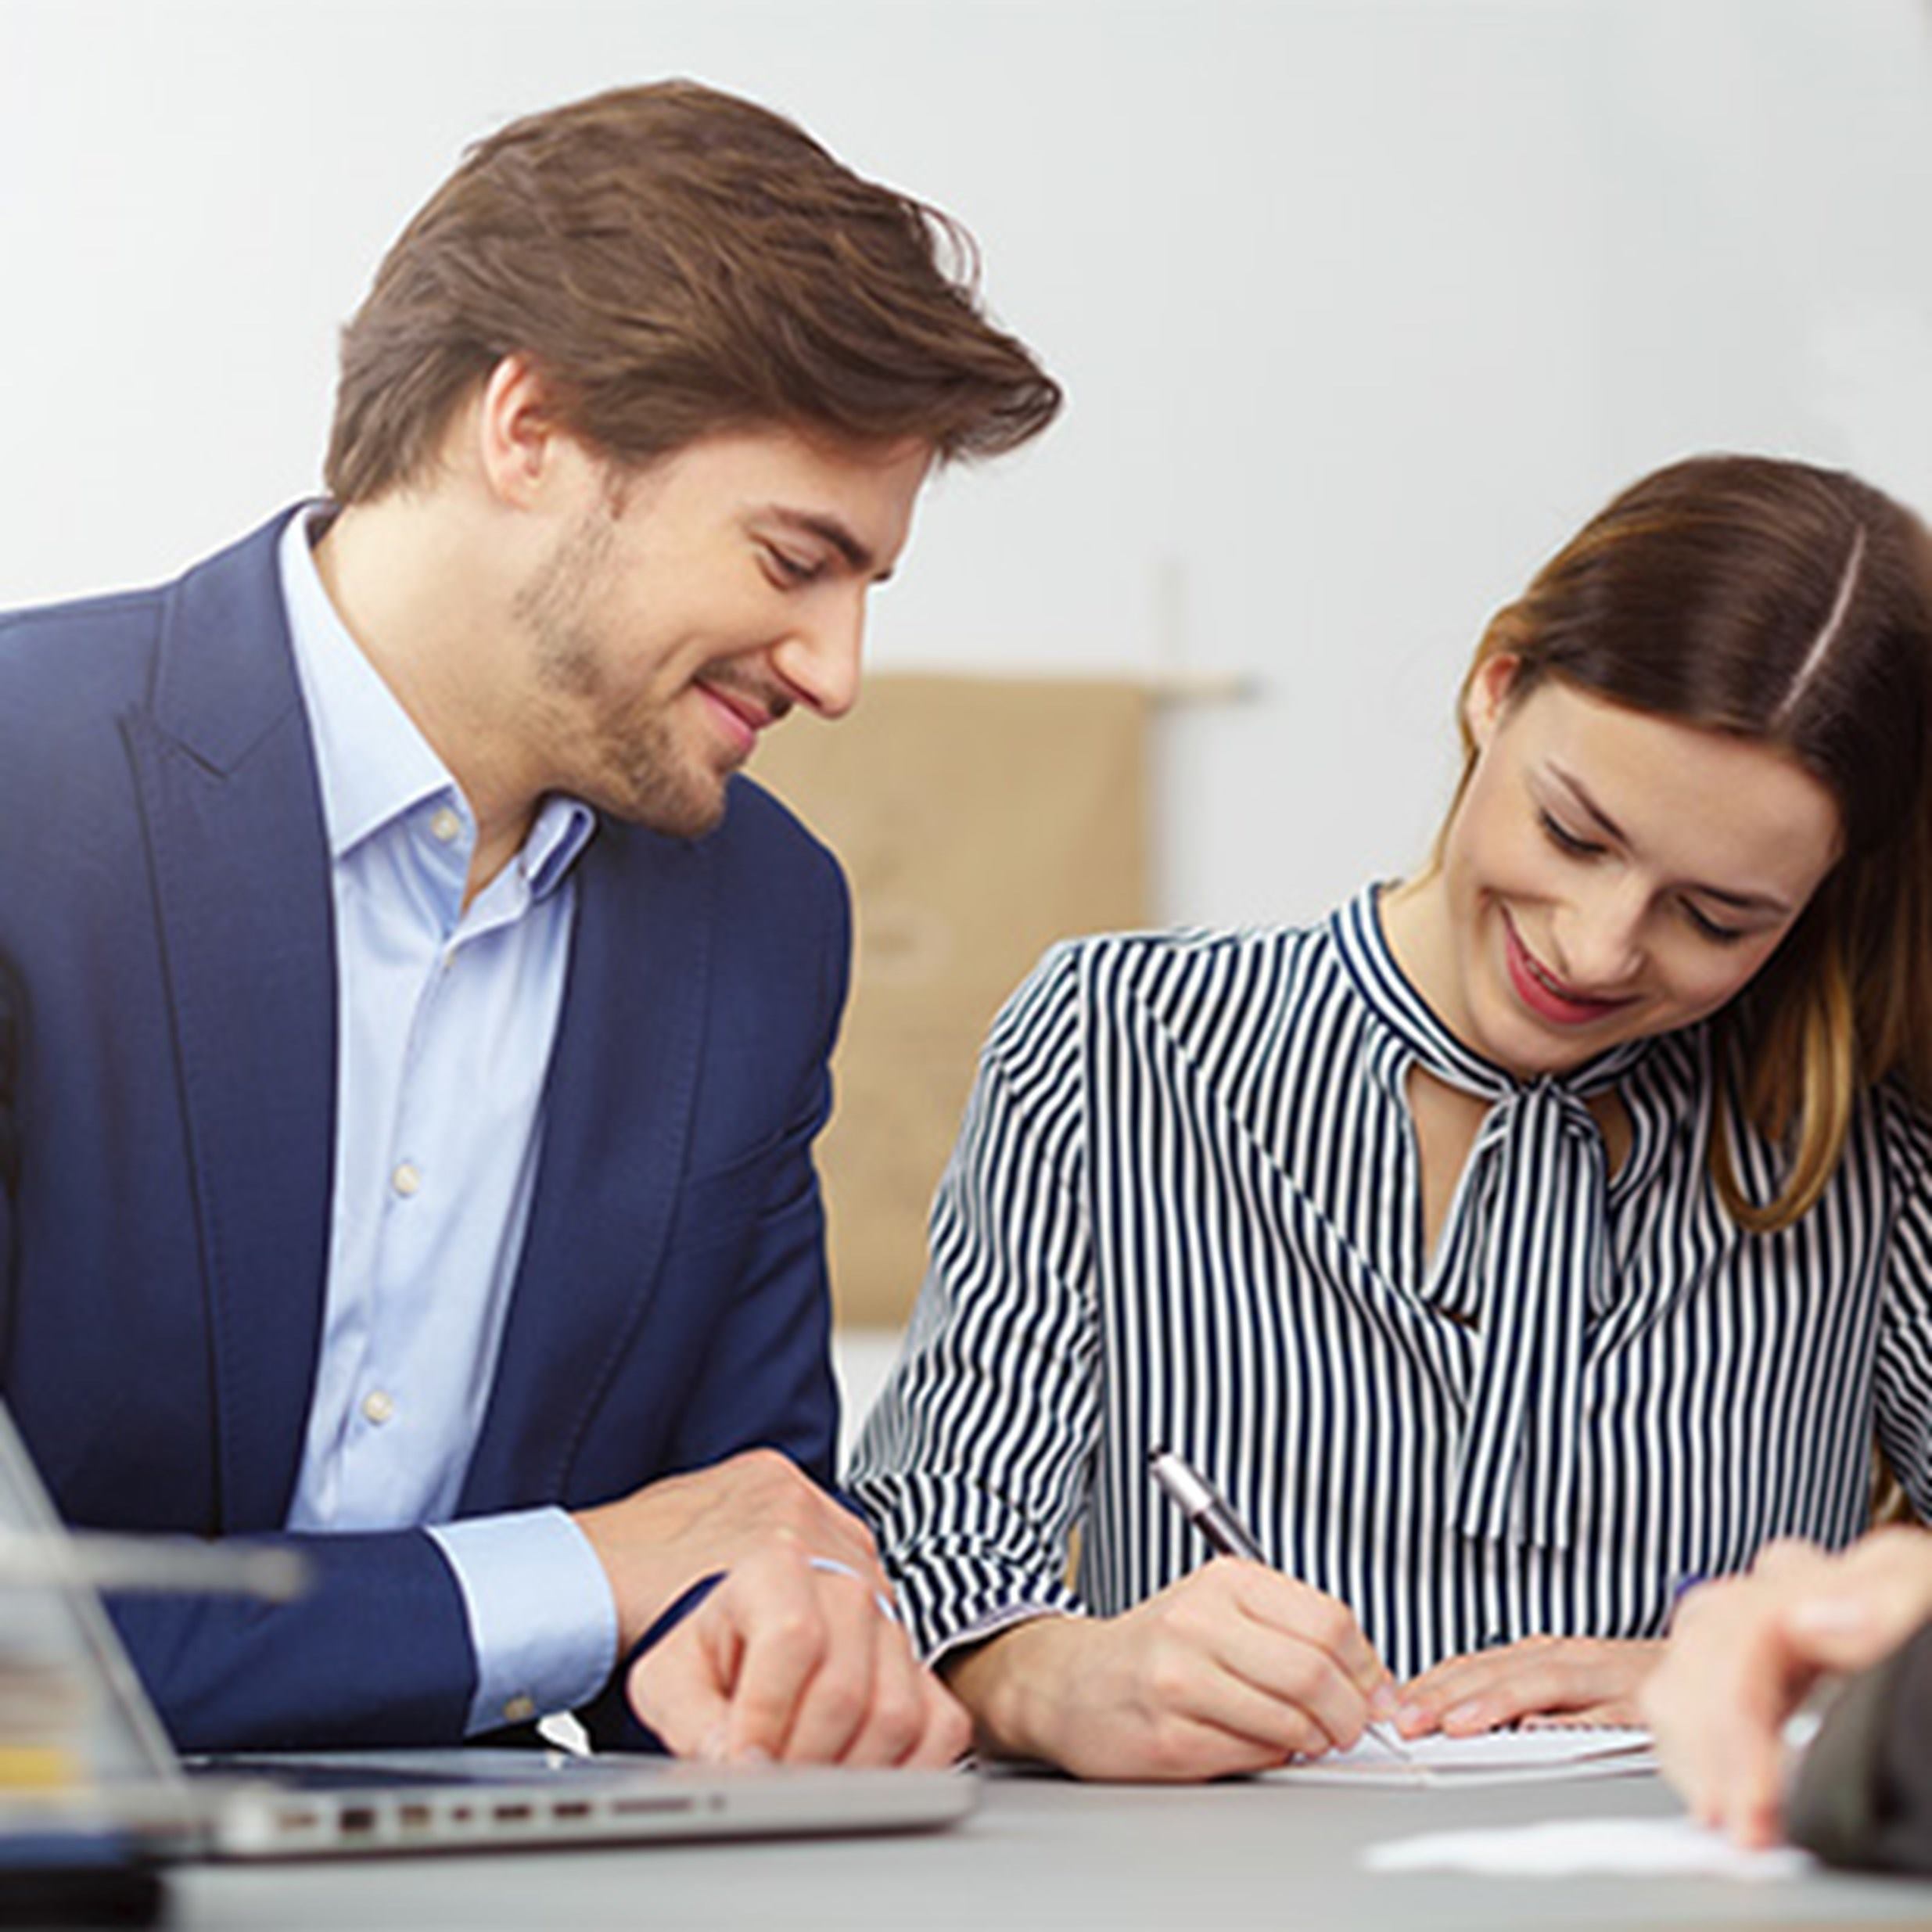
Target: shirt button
x,y
520,1709
405,1179
378,1406
445,826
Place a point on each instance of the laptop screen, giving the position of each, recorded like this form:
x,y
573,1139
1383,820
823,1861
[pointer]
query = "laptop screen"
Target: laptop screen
x,y
73,1716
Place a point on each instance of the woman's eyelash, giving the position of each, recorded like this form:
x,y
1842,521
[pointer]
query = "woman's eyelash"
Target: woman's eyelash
x,y
1567,840
1725,935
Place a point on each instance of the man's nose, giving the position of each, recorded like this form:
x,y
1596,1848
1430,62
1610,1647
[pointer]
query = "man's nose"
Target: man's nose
x,y
820,659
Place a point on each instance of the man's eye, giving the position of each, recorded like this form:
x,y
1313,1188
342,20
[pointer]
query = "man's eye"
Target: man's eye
x,y
786,569
1565,840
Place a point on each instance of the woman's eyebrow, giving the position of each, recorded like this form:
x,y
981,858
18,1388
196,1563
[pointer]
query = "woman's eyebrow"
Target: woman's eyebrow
x,y
1580,792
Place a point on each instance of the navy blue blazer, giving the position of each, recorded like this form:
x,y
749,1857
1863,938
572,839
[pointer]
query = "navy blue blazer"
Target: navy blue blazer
x,y
168,1081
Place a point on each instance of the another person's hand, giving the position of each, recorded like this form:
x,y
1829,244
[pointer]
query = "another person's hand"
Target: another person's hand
x,y
1234,1668
1567,1680
656,1543
1744,1652
793,1662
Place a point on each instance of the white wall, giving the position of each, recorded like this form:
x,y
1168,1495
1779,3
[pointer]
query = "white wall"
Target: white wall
x,y
1361,305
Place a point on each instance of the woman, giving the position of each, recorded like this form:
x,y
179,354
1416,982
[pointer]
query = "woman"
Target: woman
x,y
1529,1237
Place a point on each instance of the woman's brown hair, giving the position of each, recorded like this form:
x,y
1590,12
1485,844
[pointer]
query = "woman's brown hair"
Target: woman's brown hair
x,y
1791,606
675,261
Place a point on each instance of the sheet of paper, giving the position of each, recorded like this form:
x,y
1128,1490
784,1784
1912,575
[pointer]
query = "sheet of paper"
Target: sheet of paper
x,y
1524,1757
1628,1847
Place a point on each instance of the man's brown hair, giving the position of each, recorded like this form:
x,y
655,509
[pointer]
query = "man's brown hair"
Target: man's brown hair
x,y
674,261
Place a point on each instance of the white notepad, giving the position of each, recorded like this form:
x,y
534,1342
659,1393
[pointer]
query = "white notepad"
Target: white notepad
x,y
1541,1754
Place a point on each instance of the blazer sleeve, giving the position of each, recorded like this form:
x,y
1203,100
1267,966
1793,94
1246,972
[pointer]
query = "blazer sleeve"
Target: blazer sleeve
x,y
375,1651
1863,1795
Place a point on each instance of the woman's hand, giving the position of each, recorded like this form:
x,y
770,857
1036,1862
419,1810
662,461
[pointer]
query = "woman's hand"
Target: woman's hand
x,y
1567,1680
1744,1652
1234,1668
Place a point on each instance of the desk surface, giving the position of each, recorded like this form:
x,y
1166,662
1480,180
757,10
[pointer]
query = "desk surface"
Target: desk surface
x,y
1043,1852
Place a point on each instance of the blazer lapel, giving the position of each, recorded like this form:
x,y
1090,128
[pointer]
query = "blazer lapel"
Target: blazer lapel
x,y
618,1105
225,774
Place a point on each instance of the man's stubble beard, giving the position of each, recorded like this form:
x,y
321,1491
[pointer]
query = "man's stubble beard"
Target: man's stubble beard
x,y
628,767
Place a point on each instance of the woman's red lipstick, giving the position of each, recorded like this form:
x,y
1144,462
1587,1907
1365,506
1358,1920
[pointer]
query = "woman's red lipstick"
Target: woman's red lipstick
x,y
1542,993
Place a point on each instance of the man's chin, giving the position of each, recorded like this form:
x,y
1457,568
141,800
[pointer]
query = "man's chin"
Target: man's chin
x,y
689,815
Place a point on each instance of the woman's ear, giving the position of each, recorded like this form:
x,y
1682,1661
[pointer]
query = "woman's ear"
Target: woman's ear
x,y
1487,696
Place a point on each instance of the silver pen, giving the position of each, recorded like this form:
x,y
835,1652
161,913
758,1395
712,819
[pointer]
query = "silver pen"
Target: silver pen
x,y
1205,1507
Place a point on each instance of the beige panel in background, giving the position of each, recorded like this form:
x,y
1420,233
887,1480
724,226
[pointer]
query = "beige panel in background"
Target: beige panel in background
x,y
979,820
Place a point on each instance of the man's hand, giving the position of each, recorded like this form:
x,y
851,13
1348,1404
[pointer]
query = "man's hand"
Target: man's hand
x,y
793,1662
1236,1668
655,1544
1569,1680
1744,1652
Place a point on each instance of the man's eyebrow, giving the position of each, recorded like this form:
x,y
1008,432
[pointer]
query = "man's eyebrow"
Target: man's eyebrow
x,y
831,531
1743,902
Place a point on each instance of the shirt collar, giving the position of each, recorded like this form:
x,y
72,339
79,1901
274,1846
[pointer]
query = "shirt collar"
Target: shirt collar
x,y
375,766
562,829
373,763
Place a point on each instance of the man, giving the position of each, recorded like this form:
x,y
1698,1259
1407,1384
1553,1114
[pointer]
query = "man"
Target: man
x,y
412,1035
1746,1652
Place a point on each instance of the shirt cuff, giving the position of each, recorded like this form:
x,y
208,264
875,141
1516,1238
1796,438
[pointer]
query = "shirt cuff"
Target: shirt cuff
x,y
994,1623
542,1621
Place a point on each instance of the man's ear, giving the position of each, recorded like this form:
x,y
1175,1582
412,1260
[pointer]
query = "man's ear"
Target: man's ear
x,y
518,438
1488,695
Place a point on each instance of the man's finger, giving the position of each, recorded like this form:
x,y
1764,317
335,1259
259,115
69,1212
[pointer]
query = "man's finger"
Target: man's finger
x,y
948,1736
899,1711
781,1639
831,1700
681,1688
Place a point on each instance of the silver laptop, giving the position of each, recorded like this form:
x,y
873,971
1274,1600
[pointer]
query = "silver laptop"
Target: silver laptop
x,y
81,1748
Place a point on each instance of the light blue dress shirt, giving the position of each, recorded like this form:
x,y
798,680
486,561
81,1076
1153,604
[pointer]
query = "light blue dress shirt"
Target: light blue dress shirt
x,y
446,1017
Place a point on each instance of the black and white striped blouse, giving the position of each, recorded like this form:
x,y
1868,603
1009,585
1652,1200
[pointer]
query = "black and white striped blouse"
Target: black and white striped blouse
x,y
1184,1211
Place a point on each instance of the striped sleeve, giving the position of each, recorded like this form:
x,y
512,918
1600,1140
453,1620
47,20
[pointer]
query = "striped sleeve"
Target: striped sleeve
x,y
973,1466
1904,1350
